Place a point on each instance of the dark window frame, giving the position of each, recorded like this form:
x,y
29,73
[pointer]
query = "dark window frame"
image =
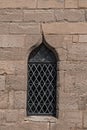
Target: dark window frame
x,y
52,60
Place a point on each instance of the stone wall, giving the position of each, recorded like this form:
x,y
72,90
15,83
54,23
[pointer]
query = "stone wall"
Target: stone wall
x,y
64,23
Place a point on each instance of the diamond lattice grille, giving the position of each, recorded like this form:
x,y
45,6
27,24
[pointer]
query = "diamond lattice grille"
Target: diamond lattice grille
x,y
41,89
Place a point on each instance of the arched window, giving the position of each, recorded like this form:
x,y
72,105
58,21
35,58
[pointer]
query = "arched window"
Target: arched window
x,y
42,75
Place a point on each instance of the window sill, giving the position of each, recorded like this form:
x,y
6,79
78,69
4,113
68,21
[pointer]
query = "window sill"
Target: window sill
x,y
41,119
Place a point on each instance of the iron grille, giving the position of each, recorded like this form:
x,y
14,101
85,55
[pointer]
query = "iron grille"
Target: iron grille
x,y
41,94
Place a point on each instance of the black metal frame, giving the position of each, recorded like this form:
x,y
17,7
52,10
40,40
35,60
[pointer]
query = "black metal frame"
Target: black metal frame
x,y
41,88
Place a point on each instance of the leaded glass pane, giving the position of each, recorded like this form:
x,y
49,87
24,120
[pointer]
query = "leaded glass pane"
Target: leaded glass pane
x,y
41,93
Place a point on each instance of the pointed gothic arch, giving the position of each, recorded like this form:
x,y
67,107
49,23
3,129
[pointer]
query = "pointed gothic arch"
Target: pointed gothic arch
x,y
42,77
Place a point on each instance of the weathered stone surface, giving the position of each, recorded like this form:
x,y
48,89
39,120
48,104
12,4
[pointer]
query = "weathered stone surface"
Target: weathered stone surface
x,y
13,67
8,54
68,101
59,14
12,40
82,102
18,4
75,82
73,66
11,99
7,127
62,54
75,38
20,99
58,41
4,28
26,126
61,125
83,38
86,14
60,80
85,119
21,26
7,15
31,42
2,82
71,3
70,15
11,115
51,4
7,67
77,51
82,3
65,28
16,82
39,15
20,67
2,116
24,28
73,118
3,100
74,15
21,114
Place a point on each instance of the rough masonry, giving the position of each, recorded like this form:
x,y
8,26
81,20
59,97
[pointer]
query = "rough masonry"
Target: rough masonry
x,y
64,23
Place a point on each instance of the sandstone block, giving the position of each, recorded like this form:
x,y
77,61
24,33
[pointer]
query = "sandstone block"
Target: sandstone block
x,y
7,127
82,3
4,28
71,3
12,53
11,115
24,28
65,28
86,14
21,114
75,82
83,38
59,14
73,118
85,119
7,15
2,115
32,126
70,83
81,82
11,99
58,41
73,66
13,67
51,4
2,82
82,102
32,42
77,52
16,82
61,125
7,67
39,15
75,38
70,15
60,81
3,100
20,67
20,99
68,101
12,40
62,54
17,4
74,15
53,126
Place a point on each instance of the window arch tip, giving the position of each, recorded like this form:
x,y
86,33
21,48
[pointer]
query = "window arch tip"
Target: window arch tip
x,y
45,49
